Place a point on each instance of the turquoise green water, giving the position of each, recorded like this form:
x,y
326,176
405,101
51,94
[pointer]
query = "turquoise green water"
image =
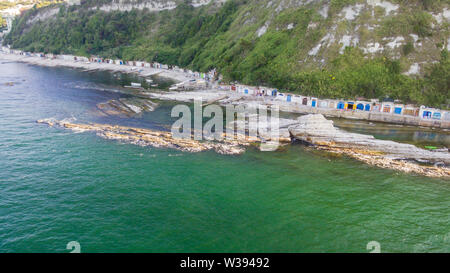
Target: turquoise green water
x,y
57,186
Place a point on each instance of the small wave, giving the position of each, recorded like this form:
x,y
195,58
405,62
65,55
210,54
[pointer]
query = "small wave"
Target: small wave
x,y
175,155
69,120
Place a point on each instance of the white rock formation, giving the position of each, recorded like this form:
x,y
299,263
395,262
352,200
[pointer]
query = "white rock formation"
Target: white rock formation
x,y
262,30
413,70
351,12
388,6
152,5
317,130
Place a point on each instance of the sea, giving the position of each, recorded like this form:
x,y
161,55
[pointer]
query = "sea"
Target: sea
x,y
59,186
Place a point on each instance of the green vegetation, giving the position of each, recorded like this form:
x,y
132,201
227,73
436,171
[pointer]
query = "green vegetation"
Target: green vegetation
x,y
437,81
226,38
408,48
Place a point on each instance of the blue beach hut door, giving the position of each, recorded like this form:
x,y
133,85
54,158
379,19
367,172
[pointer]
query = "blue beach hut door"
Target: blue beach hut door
x,y
427,114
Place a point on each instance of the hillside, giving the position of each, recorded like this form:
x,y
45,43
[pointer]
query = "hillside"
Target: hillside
x,y
11,7
326,48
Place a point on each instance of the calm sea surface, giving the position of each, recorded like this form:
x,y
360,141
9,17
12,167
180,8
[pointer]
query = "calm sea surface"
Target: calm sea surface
x,y
57,186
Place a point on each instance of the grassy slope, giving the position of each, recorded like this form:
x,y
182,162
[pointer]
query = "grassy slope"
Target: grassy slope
x,y
226,37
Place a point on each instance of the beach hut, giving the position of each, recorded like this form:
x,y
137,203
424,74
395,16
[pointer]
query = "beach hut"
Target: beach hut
x,y
387,107
297,99
243,89
398,109
376,107
437,115
305,101
224,87
446,116
280,97
323,104
431,113
331,104
411,110
248,90
350,105
262,90
425,112
201,84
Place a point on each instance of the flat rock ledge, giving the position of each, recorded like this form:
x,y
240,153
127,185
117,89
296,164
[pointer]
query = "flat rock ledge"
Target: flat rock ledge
x,y
319,132
158,139
127,107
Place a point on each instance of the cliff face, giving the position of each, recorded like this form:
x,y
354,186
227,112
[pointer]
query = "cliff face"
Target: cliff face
x,y
413,29
277,42
150,5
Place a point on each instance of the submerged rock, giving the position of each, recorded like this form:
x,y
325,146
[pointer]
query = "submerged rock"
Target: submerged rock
x,y
316,130
127,106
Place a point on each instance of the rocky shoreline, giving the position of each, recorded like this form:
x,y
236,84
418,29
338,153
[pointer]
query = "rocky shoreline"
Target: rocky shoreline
x,y
319,132
91,66
180,76
153,138
313,130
